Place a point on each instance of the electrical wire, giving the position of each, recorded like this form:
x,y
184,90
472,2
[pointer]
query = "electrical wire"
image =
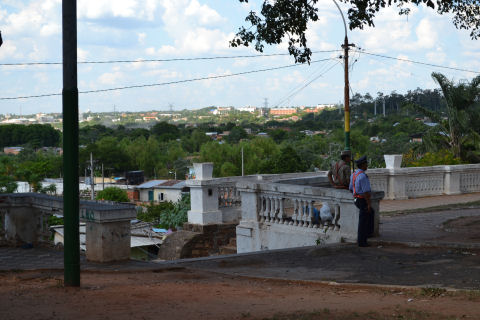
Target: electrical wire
x,y
307,84
320,69
417,62
159,60
166,83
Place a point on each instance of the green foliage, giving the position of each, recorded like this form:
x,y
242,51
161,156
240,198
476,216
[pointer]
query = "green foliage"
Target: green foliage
x,y
154,211
55,221
35,135
7,184
442,157
287,20
113,194
176,216
167,214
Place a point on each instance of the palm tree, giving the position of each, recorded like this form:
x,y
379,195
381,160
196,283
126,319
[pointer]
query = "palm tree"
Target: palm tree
x,y
457,130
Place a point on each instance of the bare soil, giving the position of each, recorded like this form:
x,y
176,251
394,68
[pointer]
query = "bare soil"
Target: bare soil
x,y
180,293
463,229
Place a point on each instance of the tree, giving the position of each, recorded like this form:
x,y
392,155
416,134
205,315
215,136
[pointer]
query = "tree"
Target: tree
x,y
7,184
457,131
113,194
288,19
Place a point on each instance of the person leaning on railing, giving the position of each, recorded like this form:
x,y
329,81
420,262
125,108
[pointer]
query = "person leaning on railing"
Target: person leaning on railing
x,y
360,187
339,173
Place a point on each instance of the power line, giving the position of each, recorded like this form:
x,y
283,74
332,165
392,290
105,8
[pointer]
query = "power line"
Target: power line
x,y
308,83
417,62
159,60
167,83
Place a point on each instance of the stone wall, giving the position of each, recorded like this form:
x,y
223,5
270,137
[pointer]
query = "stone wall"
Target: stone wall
x,y
197,241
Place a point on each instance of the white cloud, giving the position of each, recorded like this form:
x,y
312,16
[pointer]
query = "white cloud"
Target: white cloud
x,y
141,38
110,78
203,13
134,9
438,56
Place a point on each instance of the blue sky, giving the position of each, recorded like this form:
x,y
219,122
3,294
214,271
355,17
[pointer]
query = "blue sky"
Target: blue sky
x,y
165,29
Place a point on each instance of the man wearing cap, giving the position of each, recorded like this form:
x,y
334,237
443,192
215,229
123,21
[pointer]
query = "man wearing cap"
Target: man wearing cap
x,y
339,173
360,187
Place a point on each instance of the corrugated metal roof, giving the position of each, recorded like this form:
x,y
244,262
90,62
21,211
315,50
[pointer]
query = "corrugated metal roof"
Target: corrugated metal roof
x,y
150,184
172,184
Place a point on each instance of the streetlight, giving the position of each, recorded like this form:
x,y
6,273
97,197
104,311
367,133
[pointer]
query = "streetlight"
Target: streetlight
x,y
345,47
174,172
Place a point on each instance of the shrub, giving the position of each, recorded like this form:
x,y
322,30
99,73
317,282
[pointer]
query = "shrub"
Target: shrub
x,y
113,194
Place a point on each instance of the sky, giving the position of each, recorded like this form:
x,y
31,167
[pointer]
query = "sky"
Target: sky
x,y
164,29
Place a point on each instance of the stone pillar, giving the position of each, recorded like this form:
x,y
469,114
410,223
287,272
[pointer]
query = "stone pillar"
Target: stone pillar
x,y
396,185
107,231
22,225
248,233
451,180
204,196
393,161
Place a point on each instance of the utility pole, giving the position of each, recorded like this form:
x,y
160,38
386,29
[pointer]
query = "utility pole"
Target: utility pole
x,y
243,172
71,203
103,179
345,47
92,181
375,106
384,107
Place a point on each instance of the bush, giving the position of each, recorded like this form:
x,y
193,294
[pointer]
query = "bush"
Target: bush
x,y
154,211
167,214
113,194
442,157
176,216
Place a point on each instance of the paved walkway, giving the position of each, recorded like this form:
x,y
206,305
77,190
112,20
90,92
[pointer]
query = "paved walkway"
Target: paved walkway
x,y
427,202
453,263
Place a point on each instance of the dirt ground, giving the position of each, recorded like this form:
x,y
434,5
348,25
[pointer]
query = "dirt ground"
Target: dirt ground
x,y
463,229
180,293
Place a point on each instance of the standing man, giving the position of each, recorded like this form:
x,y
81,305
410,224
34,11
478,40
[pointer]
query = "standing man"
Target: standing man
x,y
360,187
339,173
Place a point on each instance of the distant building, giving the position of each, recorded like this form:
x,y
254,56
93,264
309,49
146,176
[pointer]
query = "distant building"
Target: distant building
x,y
150,118
12,150
248,109
282,111
161,190
221,110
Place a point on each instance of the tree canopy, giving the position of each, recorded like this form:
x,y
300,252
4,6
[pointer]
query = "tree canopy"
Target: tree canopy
x,y
282,19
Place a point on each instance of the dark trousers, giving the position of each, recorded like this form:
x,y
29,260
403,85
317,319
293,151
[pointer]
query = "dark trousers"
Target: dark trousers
x,y
365,221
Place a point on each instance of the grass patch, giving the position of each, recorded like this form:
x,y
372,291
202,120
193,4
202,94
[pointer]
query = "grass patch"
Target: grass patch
x,y
432,292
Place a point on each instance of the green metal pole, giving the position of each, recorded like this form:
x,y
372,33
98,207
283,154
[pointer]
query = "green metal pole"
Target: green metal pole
x,y
71,201
346,96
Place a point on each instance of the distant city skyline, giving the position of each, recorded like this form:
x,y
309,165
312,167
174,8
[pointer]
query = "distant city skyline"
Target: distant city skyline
x,y
163,29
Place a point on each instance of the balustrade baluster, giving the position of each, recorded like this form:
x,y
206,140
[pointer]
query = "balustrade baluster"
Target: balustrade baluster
x,y
273,211
302,214
262,208
295,213
268,208
281,212
310,213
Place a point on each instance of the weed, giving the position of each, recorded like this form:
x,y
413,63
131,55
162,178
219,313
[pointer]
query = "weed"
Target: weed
x,y
432,292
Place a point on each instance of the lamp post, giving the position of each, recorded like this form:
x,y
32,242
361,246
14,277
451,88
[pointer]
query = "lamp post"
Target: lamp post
x,y
345,47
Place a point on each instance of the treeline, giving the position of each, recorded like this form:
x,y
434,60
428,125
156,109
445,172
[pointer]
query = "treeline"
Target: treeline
x,y
34,135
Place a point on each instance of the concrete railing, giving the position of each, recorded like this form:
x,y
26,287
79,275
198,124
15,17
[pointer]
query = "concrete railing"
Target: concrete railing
x,y
217,200
416,182
24,218
280,214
